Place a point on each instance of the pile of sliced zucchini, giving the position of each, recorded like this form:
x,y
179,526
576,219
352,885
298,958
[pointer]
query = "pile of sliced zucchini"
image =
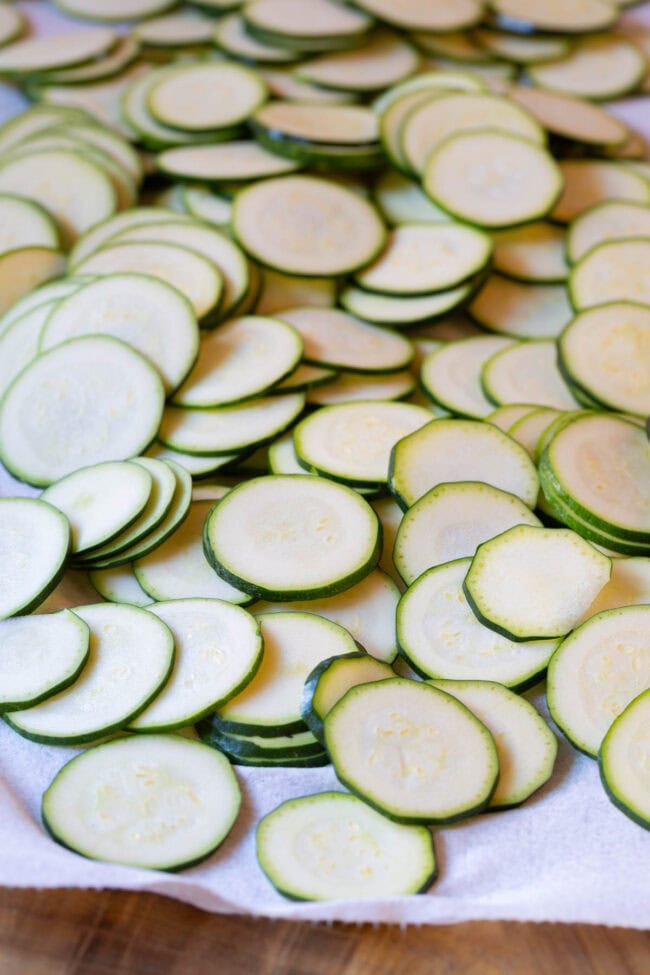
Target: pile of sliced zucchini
x,y
386,281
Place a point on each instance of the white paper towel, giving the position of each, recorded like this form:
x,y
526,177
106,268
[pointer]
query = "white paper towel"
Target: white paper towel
x,y
565,855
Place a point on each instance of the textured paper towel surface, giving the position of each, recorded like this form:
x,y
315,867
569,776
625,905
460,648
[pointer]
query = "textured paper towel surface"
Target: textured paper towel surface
x,y
566,855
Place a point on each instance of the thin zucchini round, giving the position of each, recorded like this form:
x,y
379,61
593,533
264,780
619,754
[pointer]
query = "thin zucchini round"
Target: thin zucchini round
x,y
332,845
308,226
201,97
442,638
398,745
173,816
34,545
88,400
288,537
331,679
621,761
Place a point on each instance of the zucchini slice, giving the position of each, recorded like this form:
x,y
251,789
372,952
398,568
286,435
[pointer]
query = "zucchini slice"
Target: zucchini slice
x,y
556,16
23,223
588,182
305,225
460,450
451,521
521,48
85,401
366,610
505,416
621,761
19,344
218,652
533,583
612,272
451,375
202,97
534,253
599,464
95,238
420,259
210,244
606,222
401,312
340,125
303,379
173,30
383,61
43,298
492,178
282,291
352,442
288,537
281,750
331,679
527,373
294,643
130,660
188,271
529,428
572,118
228,429
102,806
100,501
133,105
114,9
522,310
306,25
332,845
67,184
606,352
401,200
336,340
39,656
111,65
282,83
353,386
228,162
231,36
450,114
119,585
421,756
596,672
177,569
152,517
441,637
34,544
62,51
526,746
12,24
599,68
433,15
143,311
241,359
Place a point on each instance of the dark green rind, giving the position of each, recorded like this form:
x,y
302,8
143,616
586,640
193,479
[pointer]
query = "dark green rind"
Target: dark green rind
x,y
237,747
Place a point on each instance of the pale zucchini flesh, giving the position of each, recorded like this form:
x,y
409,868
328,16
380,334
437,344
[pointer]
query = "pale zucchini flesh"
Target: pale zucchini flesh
x,y
130,659
451,521
294,643
100,501
521,309
34,543
288,537
40,655
218,651
610,272
340,848
397,744
596,672
442,638
526,746
622,756
606,222
492,179
460,450
277,222
451,375
102,806
532,583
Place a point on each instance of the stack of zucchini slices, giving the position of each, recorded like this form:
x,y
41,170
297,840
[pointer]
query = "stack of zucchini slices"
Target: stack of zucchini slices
x,y
342,411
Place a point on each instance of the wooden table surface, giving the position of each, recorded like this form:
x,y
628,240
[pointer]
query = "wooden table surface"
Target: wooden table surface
x,y
73,932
